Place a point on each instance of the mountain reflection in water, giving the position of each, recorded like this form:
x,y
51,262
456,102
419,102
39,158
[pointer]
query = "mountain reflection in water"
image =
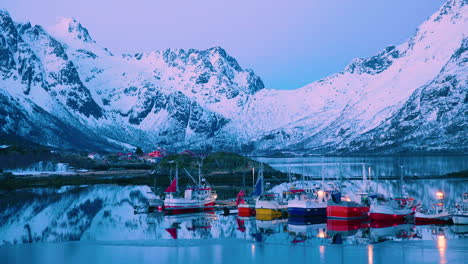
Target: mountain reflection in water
x,y
105,213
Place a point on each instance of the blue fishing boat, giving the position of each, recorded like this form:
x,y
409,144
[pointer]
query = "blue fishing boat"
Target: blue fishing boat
x,y
308,202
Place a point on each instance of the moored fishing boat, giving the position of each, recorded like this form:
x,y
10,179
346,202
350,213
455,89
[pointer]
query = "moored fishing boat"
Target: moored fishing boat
x,y
246,209
308,202
199,197
339,207
396,209
438,214
246,206
460,216
344,208
271,204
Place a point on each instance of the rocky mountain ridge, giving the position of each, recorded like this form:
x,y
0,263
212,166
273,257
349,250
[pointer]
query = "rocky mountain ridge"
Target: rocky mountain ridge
x,y
61,88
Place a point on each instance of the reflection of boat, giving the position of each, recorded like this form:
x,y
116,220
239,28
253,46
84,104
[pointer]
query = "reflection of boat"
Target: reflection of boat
x,y
459,229
294,220
268,217
192,222
199,197
388,229
270,224
396,209
339,208
339,225
460,216
310,228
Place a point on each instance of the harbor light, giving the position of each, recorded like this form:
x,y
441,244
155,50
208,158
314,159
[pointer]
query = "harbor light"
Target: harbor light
x,y
440,195
321,234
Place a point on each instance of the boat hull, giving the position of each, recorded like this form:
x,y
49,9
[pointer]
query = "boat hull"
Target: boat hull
x,y
189,208
307,212
269,212
388,213
245,210
427,219
273,208
460,219
346,210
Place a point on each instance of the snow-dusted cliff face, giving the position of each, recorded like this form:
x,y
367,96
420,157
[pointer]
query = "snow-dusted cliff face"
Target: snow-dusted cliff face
x,y
61,88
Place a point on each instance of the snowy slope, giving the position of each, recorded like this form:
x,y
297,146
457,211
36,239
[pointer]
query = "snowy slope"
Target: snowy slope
x,y
346,105
204,98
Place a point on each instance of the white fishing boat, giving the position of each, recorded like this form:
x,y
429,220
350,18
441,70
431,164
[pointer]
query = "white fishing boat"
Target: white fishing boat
x,y
199,197
394,209
460,216
438,214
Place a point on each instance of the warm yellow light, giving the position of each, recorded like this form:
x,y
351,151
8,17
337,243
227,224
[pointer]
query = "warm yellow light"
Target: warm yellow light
x,y
321,234
320,193
370,254
346,199
442,245
440,195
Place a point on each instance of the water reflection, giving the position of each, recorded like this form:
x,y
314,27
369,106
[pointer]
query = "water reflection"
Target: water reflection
x,y
105,213
370,254
442,245
381,165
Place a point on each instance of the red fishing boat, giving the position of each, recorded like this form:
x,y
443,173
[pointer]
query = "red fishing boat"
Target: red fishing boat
x,y
344,208
246,208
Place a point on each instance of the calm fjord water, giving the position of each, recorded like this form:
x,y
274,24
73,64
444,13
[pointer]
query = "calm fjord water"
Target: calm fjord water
x,y
97,224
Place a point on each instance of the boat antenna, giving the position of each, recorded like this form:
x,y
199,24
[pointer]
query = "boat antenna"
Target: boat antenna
x,y
253,177
199,171
364,177
323,175
260,175
190,176
177,176
276,179
303,172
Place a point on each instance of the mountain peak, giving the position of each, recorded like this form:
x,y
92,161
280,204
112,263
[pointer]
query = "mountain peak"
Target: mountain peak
x,y
71,28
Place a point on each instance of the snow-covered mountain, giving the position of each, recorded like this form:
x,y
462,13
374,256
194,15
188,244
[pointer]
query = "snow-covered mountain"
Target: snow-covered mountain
x,y
61,88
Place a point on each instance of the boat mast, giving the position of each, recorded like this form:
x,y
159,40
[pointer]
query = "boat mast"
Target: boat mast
x,y
199,174
302,178
364,176
323,176
177,176
260,176
253,177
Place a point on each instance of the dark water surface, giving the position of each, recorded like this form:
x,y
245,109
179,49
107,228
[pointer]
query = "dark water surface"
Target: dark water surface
x,y
382,166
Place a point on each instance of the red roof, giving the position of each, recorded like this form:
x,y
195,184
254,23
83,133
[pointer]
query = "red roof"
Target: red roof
x,y
156,154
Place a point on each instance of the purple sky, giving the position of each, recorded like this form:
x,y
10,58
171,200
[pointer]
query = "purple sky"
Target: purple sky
x,y
287,43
